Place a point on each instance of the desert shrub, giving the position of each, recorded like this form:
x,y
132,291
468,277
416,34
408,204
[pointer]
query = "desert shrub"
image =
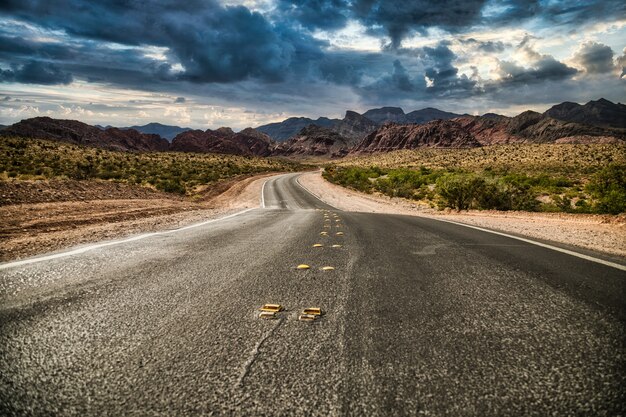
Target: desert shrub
x,y
169,171
458,190
608,189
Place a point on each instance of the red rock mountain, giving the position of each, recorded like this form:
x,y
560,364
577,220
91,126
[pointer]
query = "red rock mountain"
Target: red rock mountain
x,y
314,141
79,133
223,140
491,129
435,134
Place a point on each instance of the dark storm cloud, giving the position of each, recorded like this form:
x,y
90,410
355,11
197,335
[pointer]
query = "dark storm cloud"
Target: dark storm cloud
x,y
213,43
574,13
510,11
621,63
398,18
441,71
491,47
36,72
316,14
233,52
595,58
545,69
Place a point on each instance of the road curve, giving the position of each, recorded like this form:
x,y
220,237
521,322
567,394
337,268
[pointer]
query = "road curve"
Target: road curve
x,y
421,318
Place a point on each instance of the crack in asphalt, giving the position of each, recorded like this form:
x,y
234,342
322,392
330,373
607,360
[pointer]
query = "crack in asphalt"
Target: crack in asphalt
x,y
255,353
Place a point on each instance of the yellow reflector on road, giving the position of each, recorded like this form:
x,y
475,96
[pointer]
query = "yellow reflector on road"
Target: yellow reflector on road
x,y
336,246
318,245
328,268
339,233
272,307
267,315
307,317
316,311
324,233
302,266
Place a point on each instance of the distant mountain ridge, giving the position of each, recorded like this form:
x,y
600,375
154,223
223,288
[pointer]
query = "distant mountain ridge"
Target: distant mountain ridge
x,y
165,131
73,131
355,133
597,113
354,125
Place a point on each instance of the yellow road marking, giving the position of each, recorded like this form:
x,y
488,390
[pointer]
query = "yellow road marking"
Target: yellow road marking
x,y
272,307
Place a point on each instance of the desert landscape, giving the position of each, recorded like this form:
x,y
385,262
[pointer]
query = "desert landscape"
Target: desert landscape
x,y
312,208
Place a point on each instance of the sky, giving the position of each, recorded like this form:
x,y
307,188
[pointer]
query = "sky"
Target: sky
x,y
239,63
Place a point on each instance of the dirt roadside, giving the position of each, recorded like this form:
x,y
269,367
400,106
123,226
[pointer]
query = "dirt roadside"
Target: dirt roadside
x,y
604,233
65,214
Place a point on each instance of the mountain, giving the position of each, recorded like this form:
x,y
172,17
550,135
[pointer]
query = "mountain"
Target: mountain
x,y
354,126
533,127
596,113
282,131
428,114
489,129
434,134
223,140
73,131
385,114
165,131
314,140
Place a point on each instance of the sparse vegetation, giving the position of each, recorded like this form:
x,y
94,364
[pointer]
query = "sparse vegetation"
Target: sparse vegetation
x,y
182,173
589,178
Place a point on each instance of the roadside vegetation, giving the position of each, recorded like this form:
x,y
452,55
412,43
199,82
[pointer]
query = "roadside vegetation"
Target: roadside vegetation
x,y
589,179
172,172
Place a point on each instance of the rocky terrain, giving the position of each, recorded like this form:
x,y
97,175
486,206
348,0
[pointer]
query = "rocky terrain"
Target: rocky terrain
x,y
599,113
314,141
435,134
165,131
377,130
281,131
224,140
79,133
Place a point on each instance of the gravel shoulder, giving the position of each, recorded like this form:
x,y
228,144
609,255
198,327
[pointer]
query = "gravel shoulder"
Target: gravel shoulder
x,y
62,215
603,233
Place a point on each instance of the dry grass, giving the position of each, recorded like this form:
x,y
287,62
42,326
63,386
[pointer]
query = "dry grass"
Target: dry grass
x,y
561,159
176,172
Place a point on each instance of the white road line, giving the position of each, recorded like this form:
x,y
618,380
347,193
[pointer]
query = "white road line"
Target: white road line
x,y
115,242
313,194
263,194
543,245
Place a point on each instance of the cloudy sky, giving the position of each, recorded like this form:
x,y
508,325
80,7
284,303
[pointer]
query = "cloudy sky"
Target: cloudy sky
x,y
210,63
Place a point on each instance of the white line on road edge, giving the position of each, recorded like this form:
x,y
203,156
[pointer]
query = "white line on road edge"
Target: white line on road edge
x,y
532,242
263,194
115,242
543,245
313,194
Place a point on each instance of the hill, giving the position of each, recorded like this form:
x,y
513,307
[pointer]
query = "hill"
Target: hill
x,y
165,131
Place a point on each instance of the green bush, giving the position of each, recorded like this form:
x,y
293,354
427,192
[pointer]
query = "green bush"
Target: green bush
x,y
458,191
608,189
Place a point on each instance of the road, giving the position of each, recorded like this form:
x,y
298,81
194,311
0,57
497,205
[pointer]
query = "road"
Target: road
x,y
421,318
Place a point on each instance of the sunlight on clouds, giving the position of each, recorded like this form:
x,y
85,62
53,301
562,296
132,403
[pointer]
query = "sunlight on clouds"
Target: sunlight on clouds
x,y
352,37
156,52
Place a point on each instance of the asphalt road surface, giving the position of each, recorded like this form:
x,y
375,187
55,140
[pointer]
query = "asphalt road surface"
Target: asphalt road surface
x,y
421,318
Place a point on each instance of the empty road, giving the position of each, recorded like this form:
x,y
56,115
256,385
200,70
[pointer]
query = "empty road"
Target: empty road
x,y
422,317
